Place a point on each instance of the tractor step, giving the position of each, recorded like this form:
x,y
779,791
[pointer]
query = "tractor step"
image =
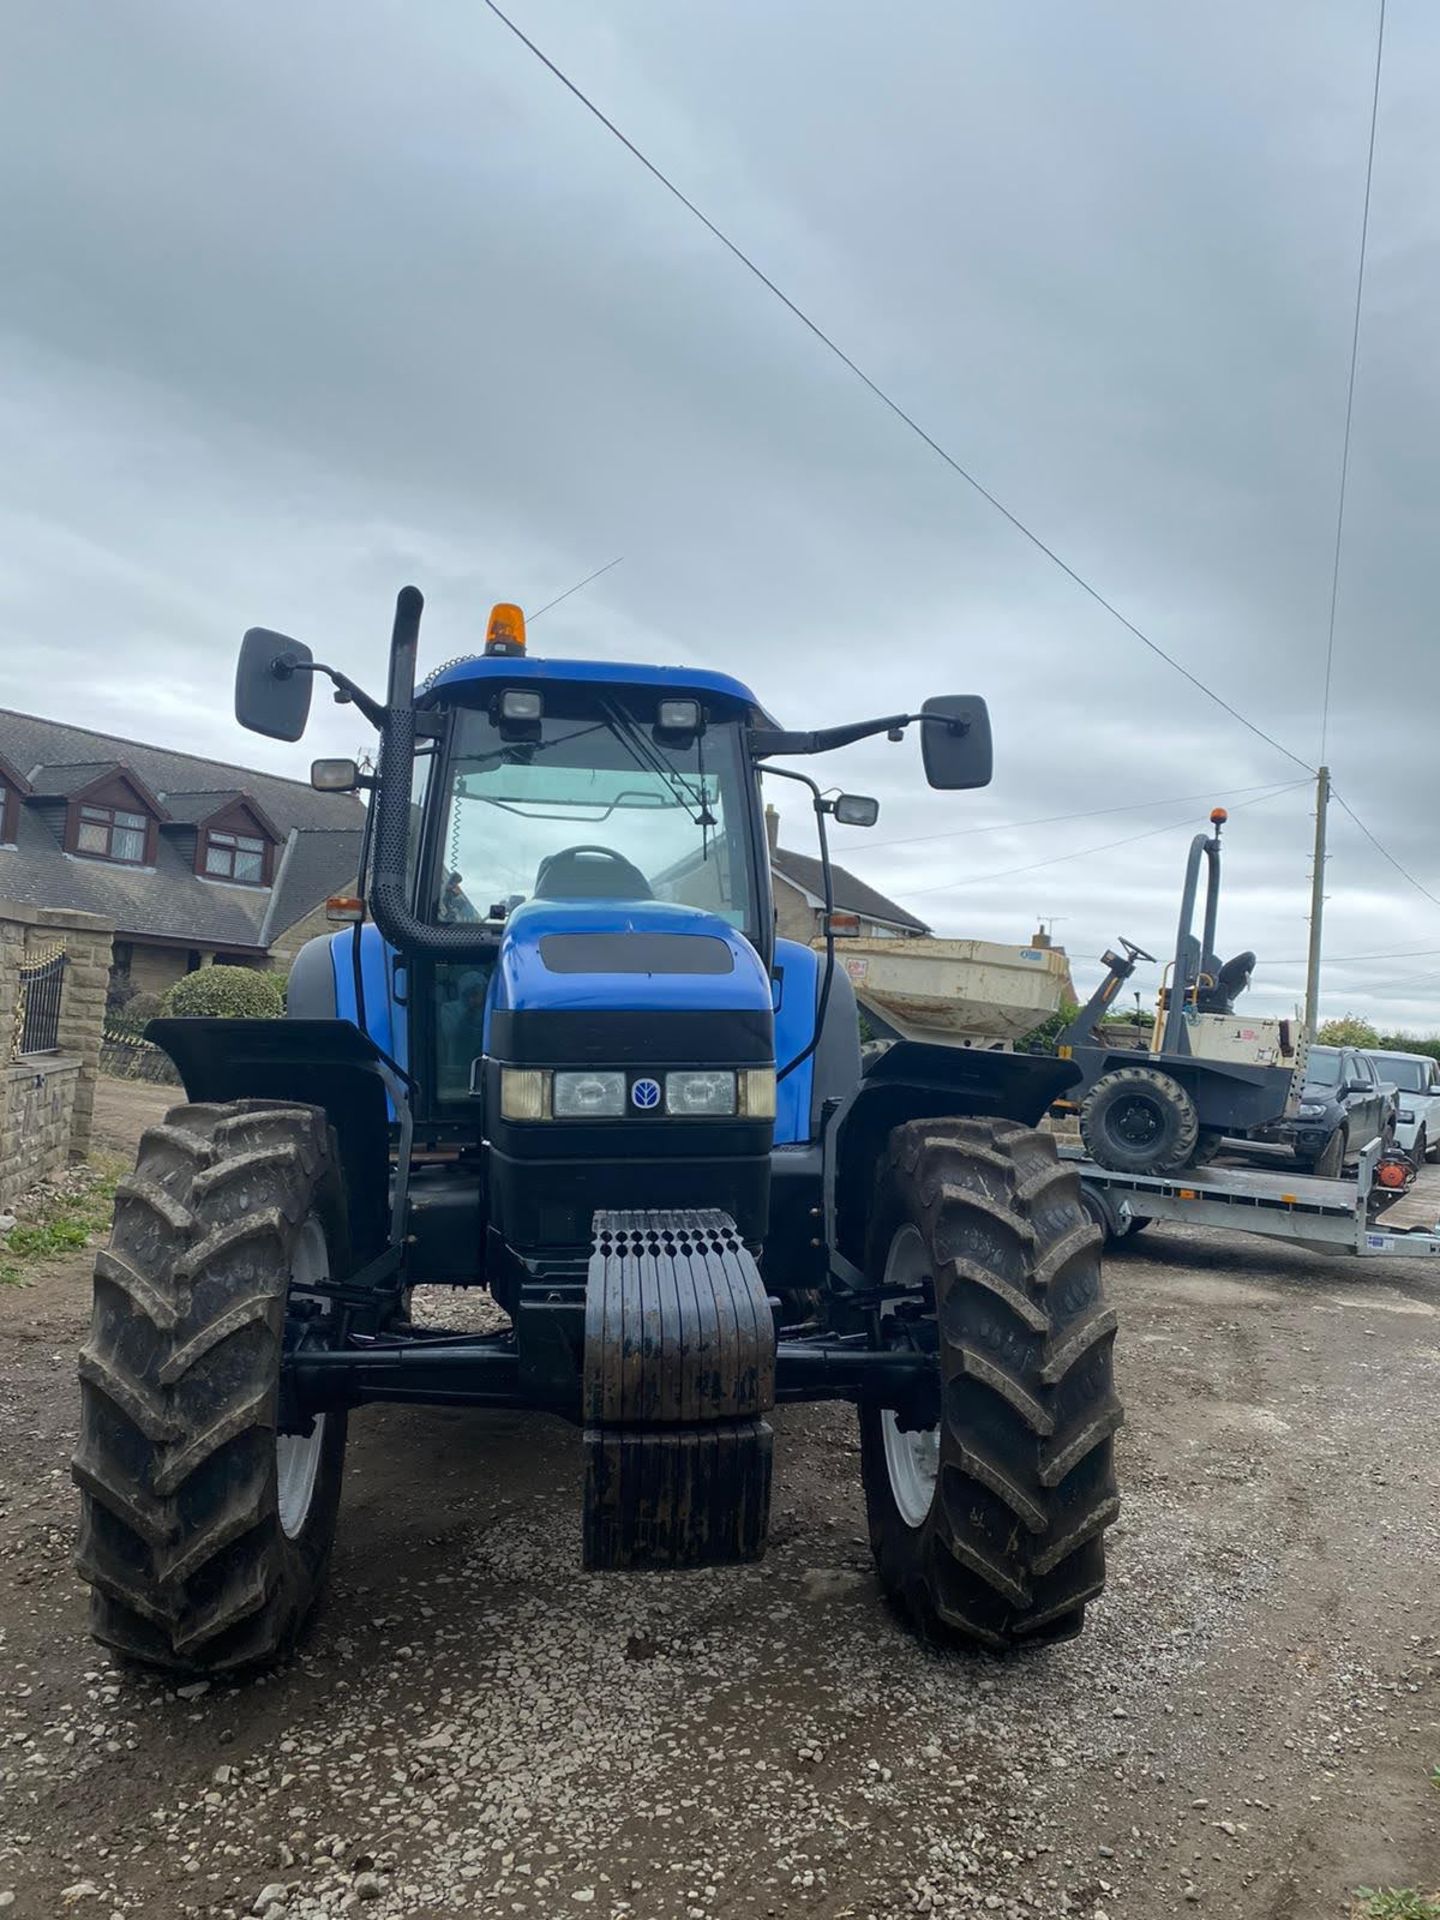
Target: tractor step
x,y
679,1370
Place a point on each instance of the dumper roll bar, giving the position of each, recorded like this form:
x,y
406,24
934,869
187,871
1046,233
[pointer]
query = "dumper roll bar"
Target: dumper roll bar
x,y
1189,958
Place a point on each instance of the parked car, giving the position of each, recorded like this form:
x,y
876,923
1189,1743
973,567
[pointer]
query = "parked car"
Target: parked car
x,y
1417,1123
1344,1105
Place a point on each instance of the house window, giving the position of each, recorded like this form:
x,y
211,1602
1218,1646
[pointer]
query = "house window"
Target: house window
x,y
107,833
234,856
4,812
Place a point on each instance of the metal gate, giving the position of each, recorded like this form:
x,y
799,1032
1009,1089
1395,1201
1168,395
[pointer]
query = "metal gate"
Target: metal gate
x,y
37,1010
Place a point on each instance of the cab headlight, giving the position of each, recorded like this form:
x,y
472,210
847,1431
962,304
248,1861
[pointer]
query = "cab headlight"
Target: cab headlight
x,y
589,1096
1405,1116
1310,1109
708,1092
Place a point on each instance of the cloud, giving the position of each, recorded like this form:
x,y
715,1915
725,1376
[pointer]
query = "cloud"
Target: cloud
x,y
300,303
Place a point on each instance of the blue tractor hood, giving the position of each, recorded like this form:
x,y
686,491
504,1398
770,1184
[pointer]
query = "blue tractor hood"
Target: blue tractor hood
x,y
625,956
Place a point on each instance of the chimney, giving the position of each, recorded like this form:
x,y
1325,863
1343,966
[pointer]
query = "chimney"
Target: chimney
x,y
772,826
1040,938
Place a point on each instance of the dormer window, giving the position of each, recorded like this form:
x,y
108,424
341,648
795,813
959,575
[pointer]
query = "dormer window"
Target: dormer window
x,y
13,788
235,856
111,833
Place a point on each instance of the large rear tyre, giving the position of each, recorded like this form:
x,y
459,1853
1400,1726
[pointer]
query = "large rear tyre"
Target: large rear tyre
x,y
1136,1120
204,1532
987,1527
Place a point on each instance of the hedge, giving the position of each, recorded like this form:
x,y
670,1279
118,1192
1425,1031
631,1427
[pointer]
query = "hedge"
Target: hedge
x,y
227,993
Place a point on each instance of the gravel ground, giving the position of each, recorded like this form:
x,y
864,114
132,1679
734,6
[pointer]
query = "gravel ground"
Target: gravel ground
x,y
476,1727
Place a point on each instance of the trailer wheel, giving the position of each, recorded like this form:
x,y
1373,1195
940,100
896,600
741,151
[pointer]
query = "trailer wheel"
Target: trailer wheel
x,y
1136,1120
987,1525
204,1532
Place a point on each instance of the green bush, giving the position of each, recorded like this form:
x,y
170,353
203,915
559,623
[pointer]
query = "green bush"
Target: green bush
x,y
141,1007
1046,1037
226,993
1349,1031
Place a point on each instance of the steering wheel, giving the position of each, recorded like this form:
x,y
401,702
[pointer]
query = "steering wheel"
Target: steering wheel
x,y
1133,952
589,872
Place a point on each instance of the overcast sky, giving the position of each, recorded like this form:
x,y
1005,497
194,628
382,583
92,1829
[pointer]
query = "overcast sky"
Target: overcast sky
x,y
300,303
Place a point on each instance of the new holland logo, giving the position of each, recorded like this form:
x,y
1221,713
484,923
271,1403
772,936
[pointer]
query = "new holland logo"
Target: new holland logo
x,y
646,1095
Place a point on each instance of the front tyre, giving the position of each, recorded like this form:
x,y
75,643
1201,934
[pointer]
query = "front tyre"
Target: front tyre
x,y
987,1526
1139,1120
204,1531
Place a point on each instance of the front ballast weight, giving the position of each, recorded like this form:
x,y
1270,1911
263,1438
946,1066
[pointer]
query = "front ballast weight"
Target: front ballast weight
x,y
679,1372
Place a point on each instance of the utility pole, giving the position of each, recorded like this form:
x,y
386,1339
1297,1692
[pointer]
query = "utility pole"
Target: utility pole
x,y
1317,905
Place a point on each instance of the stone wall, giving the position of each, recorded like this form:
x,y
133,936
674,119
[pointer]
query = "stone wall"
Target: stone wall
x,y
37,1118
49,1099
153,969
795,918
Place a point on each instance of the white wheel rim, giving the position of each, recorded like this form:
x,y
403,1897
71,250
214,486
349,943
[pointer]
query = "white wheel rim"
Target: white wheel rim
x,y
912,1457
297,1455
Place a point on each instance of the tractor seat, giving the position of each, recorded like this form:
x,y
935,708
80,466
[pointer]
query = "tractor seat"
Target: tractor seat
x,y
590,873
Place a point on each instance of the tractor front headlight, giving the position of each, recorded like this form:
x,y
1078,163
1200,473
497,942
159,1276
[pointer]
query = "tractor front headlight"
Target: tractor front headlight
x,y
710,1091
757,1093
589,1096
524,1093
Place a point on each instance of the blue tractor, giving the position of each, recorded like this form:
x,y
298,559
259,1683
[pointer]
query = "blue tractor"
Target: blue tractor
x,y
561,1055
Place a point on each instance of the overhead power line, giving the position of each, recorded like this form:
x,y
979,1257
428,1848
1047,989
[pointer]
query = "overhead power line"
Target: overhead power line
x,y
1356,959
533,617
1083,853
1385,853
1350,388
885,398
1051,819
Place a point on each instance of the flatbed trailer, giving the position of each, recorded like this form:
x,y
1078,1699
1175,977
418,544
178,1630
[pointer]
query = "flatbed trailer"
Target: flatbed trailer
x,y
1327,1216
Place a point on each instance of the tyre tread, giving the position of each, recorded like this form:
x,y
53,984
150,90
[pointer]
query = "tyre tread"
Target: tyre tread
x,y
182,1548
1012,1550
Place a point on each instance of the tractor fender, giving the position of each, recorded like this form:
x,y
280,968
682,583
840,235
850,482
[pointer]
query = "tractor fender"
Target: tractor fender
x,y
914,1080
321,1063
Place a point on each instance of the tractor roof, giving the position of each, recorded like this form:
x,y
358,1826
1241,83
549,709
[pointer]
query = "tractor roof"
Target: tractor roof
x,y
611,673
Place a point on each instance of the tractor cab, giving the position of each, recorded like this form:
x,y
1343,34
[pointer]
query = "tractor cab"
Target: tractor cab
x,y
596,830
593,833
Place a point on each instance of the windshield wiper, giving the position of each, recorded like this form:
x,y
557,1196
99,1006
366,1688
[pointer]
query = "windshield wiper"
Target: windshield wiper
x,y
652,761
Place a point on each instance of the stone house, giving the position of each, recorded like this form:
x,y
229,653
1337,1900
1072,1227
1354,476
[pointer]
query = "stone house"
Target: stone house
x,y
191,861
799,889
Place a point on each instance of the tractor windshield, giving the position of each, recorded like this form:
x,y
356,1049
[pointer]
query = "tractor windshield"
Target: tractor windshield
x,y
595,802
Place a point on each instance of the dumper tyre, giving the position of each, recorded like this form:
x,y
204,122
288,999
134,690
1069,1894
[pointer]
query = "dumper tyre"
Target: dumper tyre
x,y
205,1532
1136,1120
988,1526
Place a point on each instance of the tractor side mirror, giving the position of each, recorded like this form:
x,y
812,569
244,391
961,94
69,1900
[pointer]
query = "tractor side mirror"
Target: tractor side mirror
x,y
955,741
855,810
273,684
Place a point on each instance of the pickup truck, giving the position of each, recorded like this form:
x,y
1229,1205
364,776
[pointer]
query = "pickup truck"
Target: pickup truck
x,y
1344,1105
1417,1077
